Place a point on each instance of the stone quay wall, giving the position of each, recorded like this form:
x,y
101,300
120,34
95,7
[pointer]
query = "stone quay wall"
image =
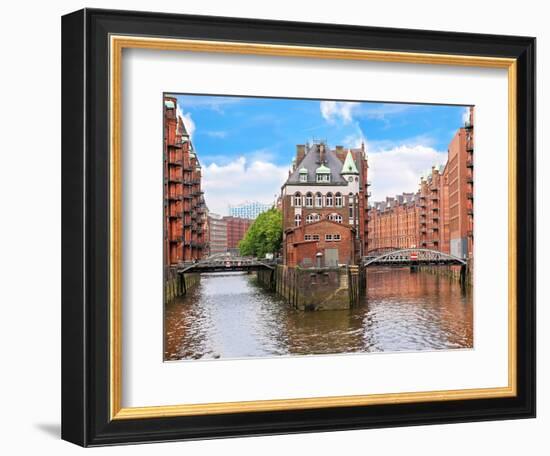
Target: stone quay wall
x,y
452,272
177,284
335,288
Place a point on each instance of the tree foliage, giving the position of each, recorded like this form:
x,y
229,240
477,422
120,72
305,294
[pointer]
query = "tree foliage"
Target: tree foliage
x,y
265,235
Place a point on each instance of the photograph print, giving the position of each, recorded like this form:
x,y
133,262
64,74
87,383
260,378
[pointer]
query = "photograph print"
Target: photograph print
x,y
315,227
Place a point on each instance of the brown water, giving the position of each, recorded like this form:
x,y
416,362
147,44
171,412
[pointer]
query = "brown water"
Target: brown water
x,y
231,316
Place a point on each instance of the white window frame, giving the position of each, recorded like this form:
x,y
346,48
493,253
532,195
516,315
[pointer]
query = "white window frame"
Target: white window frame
x,y
338,200
336,237
328,237
315,237
309,199
321,178
297,199
329,200
318,200
303,177
297,219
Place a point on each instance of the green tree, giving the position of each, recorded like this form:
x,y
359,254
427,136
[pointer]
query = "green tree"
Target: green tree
x,y
265,235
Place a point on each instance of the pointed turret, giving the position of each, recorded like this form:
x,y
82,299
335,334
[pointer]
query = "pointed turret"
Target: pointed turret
x,y
349,165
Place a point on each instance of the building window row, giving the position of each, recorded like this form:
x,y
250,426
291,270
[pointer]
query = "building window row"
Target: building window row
x,y
328,200
310,218
328,237
313,218
311,237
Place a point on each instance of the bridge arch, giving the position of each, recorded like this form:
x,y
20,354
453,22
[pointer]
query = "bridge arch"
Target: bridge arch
x,y
414,256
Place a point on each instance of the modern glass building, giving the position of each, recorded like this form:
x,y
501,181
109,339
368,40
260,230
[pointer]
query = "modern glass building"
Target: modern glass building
x,y
248,210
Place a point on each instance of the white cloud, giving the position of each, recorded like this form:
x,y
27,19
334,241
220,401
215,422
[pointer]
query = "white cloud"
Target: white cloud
x,y
216,134
215,103
355,139
187,121
383,111
241,180
377,146
398,170
346,111
466,115
333,111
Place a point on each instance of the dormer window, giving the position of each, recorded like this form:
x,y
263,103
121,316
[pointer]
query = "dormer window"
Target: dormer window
x,y
322,174
303,175
323,178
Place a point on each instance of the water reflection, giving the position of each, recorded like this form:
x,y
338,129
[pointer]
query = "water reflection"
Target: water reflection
x,y
230,316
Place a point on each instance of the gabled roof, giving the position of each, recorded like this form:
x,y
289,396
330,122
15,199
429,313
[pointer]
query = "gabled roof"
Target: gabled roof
x,y
312,161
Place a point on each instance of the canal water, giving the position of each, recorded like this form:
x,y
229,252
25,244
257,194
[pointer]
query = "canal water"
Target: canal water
x,y
229,315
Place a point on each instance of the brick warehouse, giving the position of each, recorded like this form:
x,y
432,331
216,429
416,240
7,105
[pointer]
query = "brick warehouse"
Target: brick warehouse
x,y
236,229
439,215
324,203
184,206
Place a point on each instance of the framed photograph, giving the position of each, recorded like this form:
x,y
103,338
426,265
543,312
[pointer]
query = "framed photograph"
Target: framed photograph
x,y
279,227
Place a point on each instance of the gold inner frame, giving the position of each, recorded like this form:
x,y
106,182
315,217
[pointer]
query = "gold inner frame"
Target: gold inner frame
x,y
117,44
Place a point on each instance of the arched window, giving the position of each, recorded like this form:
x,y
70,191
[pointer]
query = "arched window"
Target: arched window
x,y
335,217
309,199
297,220
297,199
329,200
338,199
318,200
313,218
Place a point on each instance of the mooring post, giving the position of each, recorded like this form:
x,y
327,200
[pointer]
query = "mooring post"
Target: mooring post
x,y
183,284
463,276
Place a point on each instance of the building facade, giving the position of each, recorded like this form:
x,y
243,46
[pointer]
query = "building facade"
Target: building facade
x,y
439,215
394,223
249,210
184,207
461,190
217,231
330,186
324,243
236,230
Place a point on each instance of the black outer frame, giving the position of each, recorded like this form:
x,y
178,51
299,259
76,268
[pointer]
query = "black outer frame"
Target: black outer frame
x,y
85,227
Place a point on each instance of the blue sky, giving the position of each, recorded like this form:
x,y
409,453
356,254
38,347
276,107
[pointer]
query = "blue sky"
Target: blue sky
x,y
246,145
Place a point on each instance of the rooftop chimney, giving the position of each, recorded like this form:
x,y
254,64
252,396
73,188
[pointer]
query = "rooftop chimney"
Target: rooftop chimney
x,y
300,153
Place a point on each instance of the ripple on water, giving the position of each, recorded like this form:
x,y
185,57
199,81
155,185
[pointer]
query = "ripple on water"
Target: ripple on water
x,y
229,316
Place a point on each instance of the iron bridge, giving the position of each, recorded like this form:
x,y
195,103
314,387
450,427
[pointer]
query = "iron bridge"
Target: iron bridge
x,y
413,257
226,264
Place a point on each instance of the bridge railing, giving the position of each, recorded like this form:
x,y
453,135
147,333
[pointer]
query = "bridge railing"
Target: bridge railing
x,y
413,256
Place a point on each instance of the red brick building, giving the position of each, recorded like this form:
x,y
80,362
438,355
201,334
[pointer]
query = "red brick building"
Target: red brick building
x,y
319,244
394,223
461,190
236,230
325,185
184,208
440,215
